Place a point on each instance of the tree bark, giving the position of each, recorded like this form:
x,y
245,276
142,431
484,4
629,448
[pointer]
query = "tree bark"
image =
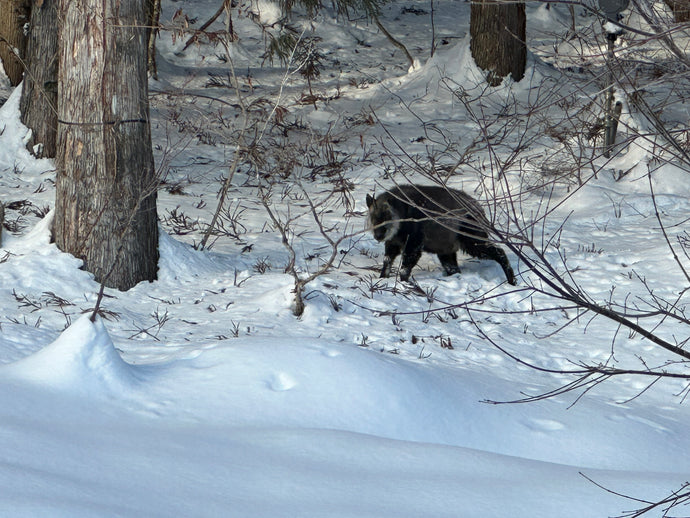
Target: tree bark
x,y
680,9
2,220
105,183
153,14
497,31
14,14
38,105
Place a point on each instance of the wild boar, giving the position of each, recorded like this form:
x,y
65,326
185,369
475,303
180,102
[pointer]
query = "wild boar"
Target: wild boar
x,y
415,218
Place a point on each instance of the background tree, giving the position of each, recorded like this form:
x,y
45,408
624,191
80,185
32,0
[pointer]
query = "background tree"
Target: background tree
x,y
105,181
680,9
13,15
497,31
39,91
153,14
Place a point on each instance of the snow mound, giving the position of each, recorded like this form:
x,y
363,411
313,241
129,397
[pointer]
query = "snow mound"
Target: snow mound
x,y
14,136
180,262
38,238
451,68
82,359
270,13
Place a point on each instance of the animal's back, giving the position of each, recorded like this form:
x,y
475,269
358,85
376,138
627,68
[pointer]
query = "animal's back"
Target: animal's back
x,y
435,199
438,208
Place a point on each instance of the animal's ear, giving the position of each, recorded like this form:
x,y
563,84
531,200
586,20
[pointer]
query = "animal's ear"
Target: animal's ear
x,y
370,200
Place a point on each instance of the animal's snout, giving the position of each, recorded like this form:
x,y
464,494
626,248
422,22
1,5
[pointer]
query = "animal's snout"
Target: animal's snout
x,y
380,233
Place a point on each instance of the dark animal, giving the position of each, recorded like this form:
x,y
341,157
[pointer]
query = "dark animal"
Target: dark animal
x,y
415,218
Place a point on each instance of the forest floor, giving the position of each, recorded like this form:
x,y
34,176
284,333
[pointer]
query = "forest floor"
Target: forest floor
x,y
201,394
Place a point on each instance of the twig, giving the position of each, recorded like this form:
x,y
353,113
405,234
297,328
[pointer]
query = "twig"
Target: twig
x,y
395,42
195,36
236,158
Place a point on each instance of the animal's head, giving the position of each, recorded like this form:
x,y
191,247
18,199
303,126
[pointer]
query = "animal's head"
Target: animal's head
x,y
383,221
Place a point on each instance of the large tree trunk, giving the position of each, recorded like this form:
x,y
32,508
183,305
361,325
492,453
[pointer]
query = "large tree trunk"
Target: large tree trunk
x,y
39,91
497,31
680,8
14,14
106,185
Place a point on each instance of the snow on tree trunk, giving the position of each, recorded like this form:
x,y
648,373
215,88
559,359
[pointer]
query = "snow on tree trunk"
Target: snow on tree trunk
x,y
39,90
106,185
13,15
497,31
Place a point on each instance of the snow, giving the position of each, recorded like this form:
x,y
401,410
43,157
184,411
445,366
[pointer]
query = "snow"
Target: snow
x,y
269,12
612,28
202,395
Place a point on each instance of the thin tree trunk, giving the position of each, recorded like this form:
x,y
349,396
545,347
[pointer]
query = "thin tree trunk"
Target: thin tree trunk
x,y
14,14
153,14
395,42
498,30
106,185
2,220
193,39
38,105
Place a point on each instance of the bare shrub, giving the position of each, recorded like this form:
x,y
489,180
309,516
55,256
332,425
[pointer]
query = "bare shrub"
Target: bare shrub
x,y
534,153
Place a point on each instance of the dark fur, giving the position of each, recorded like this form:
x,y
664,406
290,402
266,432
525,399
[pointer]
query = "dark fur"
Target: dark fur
x,y
414,218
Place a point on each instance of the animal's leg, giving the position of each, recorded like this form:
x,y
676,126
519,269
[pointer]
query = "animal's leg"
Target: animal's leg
x,y
485,250
411,254
392,251
501,258
449,263
498,255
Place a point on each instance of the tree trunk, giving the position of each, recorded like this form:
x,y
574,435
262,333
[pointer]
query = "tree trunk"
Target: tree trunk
x,y
497,31
39,91
153,14
2,220
14,14
680,9
106,186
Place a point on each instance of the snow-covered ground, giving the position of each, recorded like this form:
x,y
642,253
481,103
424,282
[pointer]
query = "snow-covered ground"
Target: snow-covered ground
x,y
202,395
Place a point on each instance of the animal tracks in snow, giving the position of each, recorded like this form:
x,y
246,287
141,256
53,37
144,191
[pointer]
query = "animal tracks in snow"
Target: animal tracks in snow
x,y
545,425
280,382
